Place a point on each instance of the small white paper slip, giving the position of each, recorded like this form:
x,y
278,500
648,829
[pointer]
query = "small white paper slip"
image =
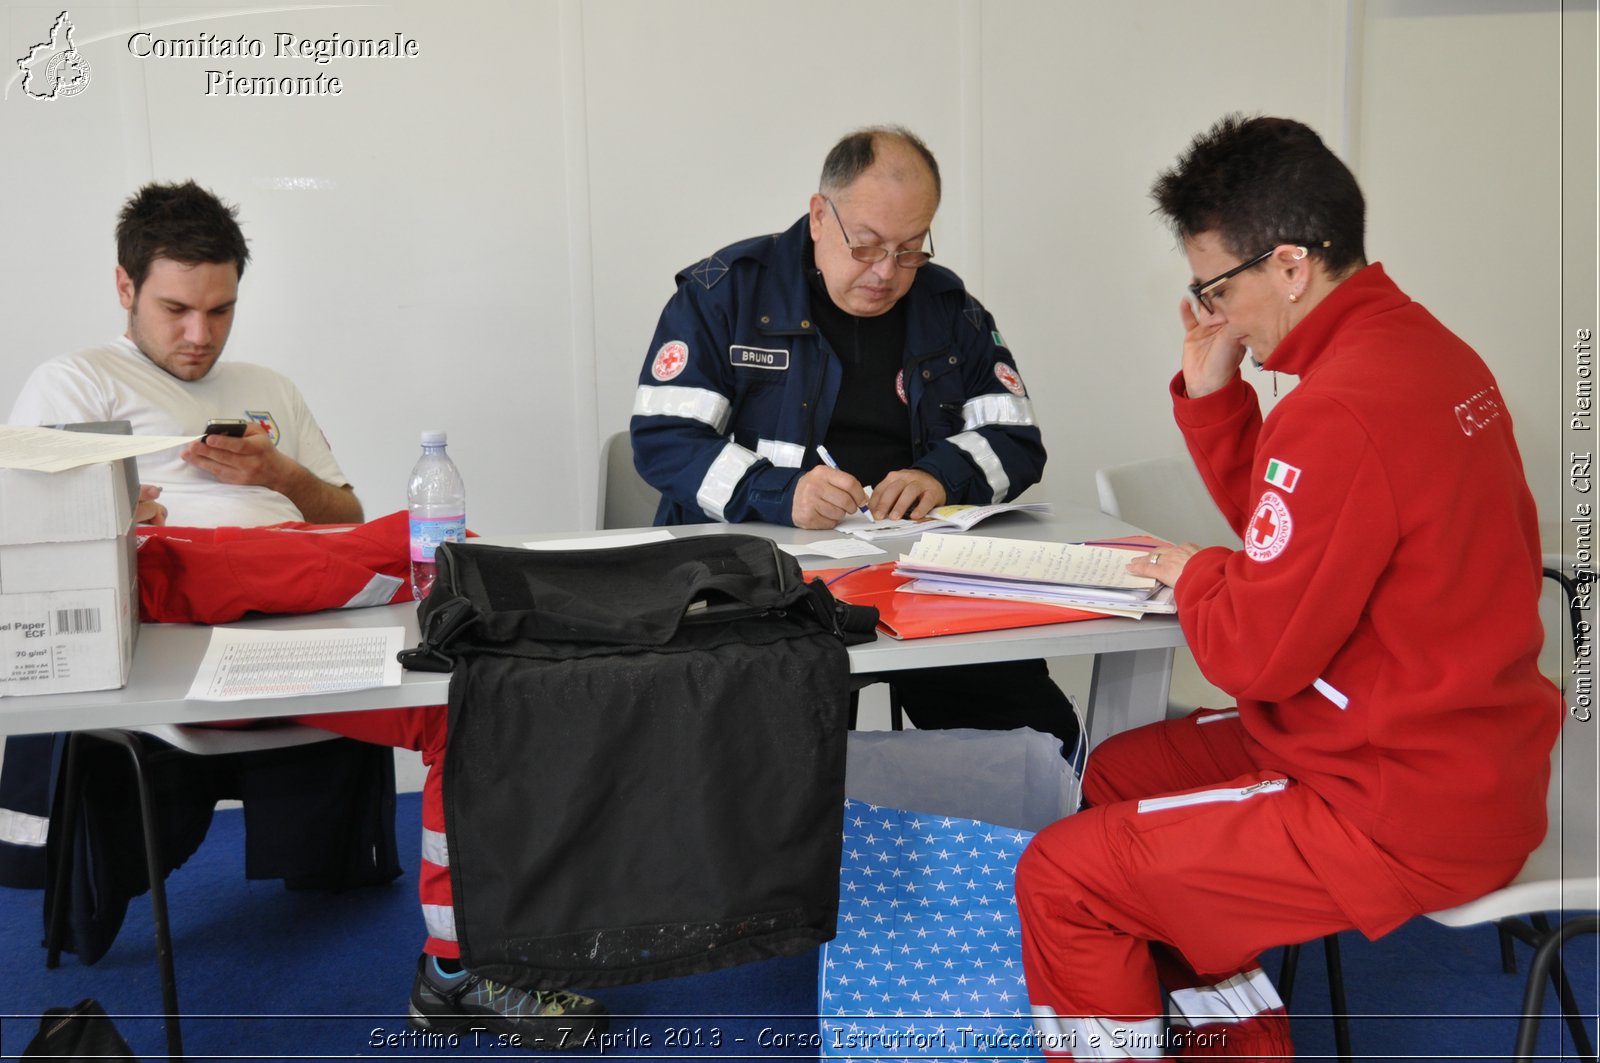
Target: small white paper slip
x,y
284,664
846,547
601,542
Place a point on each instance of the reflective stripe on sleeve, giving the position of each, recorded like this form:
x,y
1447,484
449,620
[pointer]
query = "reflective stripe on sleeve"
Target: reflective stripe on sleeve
x,y
716,490
435,850
22,828
1089,1037
1335,696
783,455
695,404
378,591
1241,997
996,409
979,450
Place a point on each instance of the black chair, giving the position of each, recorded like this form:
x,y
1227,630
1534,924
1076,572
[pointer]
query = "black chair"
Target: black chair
x,y
1336,997
145,756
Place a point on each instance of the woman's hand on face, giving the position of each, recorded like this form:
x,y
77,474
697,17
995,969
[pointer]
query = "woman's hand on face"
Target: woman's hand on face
x,y
1211,355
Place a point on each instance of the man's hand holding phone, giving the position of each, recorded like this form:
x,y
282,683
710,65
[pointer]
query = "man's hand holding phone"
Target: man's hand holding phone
x,y
225,426
246,458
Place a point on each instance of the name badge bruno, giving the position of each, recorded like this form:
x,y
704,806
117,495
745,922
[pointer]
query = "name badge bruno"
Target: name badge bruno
x,y
757,358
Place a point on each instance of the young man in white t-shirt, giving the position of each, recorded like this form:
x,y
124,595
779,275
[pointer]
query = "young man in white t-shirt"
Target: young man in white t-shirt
x,y
180,254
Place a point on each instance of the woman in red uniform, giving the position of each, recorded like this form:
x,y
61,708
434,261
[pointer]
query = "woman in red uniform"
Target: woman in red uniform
x,y
1389,751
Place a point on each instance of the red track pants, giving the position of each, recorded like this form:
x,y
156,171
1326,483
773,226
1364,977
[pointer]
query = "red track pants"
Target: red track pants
x,y
1185,889
423,730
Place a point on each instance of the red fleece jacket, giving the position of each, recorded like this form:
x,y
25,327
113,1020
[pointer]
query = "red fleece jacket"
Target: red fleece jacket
x,y
1381,626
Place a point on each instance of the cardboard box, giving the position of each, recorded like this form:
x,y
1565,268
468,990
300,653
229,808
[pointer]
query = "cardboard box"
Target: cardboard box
x,y
89,502
69,612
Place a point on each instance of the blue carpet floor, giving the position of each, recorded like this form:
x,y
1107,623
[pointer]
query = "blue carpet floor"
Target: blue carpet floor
x,y
264,973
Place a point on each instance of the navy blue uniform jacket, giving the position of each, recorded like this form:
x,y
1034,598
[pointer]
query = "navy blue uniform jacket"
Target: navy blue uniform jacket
x,y
739,387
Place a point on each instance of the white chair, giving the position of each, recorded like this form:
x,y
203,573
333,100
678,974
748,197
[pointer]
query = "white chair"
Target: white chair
x,y
1167,498
626,501
176,738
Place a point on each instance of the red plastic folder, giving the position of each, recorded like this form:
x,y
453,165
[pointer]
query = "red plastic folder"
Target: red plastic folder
x,y
919,616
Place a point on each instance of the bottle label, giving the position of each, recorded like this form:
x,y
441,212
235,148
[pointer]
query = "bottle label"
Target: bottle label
x,y
428,532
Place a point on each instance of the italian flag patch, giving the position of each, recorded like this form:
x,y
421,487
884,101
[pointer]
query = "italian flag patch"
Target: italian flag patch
x,y
1282,474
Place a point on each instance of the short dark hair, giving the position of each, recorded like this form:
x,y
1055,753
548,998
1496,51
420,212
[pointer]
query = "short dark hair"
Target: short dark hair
x,y
1259,182
183,222
856,152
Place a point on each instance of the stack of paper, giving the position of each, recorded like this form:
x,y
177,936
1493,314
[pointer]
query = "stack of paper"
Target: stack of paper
x,y
958,517
1065,574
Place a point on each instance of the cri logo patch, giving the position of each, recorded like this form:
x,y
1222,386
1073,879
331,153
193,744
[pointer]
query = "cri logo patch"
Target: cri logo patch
x,y
670,360
1008,376
1268,531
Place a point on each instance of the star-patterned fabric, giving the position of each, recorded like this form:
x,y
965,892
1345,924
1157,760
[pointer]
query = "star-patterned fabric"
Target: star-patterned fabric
x,y
927,962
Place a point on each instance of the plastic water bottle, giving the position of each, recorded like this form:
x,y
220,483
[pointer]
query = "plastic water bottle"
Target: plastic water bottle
x,y
438,502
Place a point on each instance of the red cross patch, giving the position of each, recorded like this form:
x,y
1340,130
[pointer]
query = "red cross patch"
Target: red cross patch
x,y
670,360
1268,531
1008,376
265,419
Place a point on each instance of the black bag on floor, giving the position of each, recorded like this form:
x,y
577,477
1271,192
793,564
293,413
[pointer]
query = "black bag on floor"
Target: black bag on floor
x,y
645,770
83,1031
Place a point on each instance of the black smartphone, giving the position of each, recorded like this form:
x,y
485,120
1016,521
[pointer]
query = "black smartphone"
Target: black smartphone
x,y
226,426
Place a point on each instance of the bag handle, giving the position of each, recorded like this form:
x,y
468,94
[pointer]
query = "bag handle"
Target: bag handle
x,y
442,623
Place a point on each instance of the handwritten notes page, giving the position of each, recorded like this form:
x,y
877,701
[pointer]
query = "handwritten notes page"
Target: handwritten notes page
x,y
959,517
1067,574
1067,564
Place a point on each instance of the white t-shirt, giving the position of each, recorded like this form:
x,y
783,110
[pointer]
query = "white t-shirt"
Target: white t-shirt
x,y
116,382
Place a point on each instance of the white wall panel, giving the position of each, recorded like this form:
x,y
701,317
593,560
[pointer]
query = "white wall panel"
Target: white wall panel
x,y
409,235
481,238
1462,147
709,121
1083,105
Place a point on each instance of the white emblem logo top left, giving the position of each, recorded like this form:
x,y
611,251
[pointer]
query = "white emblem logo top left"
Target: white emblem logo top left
x,y
671,360
54,69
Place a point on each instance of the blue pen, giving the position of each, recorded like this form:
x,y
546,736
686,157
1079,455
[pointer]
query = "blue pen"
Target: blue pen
x,y
827,459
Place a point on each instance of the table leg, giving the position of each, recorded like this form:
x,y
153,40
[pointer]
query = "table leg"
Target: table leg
x,y
1128,690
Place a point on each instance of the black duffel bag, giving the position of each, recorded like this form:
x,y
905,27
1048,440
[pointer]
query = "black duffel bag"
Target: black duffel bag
x,y
645,769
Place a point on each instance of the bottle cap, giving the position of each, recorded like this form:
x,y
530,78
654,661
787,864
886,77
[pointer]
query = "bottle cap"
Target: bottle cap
x,y
434,437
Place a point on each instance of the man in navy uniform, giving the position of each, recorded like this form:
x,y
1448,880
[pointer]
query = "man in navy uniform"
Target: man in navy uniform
x,y
790,371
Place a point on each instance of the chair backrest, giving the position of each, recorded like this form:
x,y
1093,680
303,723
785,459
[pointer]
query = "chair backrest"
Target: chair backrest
x,y
626,501
1166,497
1572,812
1569,851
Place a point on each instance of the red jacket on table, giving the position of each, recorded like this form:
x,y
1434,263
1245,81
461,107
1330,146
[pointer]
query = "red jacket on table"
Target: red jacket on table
x,y
1381,626
214,575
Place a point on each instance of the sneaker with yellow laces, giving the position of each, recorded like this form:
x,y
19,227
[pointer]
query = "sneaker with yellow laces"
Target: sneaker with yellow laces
x,y
445,1002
